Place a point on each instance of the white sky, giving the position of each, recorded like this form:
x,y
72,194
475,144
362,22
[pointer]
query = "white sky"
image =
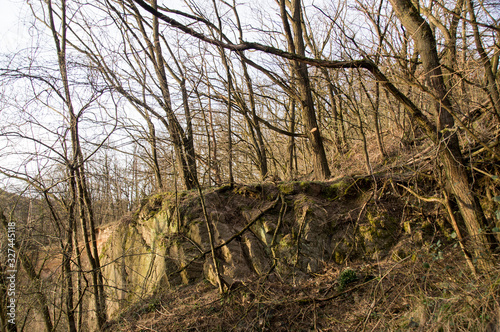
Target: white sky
x,y
13,30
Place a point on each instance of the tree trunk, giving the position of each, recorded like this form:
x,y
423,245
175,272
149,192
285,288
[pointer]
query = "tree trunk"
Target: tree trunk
x,y
296,45
291,143
214,162
76,167
491,87
183,144
376,120
67,259
260,147
449,148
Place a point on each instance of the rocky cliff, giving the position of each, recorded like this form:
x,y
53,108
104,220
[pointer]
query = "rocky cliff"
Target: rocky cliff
x,y
291,230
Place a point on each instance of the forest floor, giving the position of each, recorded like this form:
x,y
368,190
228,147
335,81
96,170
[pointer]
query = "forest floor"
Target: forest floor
x,y
421,293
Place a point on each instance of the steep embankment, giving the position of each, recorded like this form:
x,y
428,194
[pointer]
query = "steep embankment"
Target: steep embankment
x,y
281,250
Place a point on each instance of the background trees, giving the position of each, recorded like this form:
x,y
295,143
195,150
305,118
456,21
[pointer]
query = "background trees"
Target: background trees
x,y
120,99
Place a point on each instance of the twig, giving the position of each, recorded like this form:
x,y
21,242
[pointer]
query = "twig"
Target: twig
x,y
210,238
280,218
446,202
493,177
475,153
459,236
332,297
422,198
231,238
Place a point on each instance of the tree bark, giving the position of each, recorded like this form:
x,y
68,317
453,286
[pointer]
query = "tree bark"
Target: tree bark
x,y
296,45
184,153
449,148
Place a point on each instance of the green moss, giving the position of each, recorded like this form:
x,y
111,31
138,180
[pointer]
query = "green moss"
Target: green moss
x,y
224,188
407,227
247,191
286,241
367,232
330,192
104,250
302,201
335,190
338,257
376,220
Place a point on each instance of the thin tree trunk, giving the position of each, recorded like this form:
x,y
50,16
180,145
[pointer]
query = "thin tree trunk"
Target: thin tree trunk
x,y
152,140
80,288
154,155
90,242
215,163
365,144
491,87
376,120
67,258
260,147
296,45
229,86
341,123
77,165
182,143
291,142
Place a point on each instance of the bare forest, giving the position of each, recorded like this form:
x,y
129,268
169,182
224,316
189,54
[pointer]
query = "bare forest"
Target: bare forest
x,y
107,105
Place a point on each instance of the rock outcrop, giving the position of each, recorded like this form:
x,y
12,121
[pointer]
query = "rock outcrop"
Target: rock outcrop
x,y
289,229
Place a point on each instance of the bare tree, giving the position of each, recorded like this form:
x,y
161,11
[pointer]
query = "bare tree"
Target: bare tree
x,y
296,45
447,139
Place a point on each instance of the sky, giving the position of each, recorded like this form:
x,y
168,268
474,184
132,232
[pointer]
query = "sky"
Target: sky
x,y
15,21
13,31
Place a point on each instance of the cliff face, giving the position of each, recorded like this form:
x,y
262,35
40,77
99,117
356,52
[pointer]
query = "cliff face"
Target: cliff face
x,y
291,229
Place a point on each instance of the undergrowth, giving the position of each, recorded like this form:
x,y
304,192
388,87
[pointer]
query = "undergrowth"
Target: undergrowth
x,y
419,293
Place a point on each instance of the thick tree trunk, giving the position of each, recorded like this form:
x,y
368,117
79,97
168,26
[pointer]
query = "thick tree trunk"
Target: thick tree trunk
x,y
449,148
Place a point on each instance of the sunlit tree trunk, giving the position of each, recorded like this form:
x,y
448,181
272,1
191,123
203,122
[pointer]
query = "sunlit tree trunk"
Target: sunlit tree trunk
x,y
449,148
296,45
